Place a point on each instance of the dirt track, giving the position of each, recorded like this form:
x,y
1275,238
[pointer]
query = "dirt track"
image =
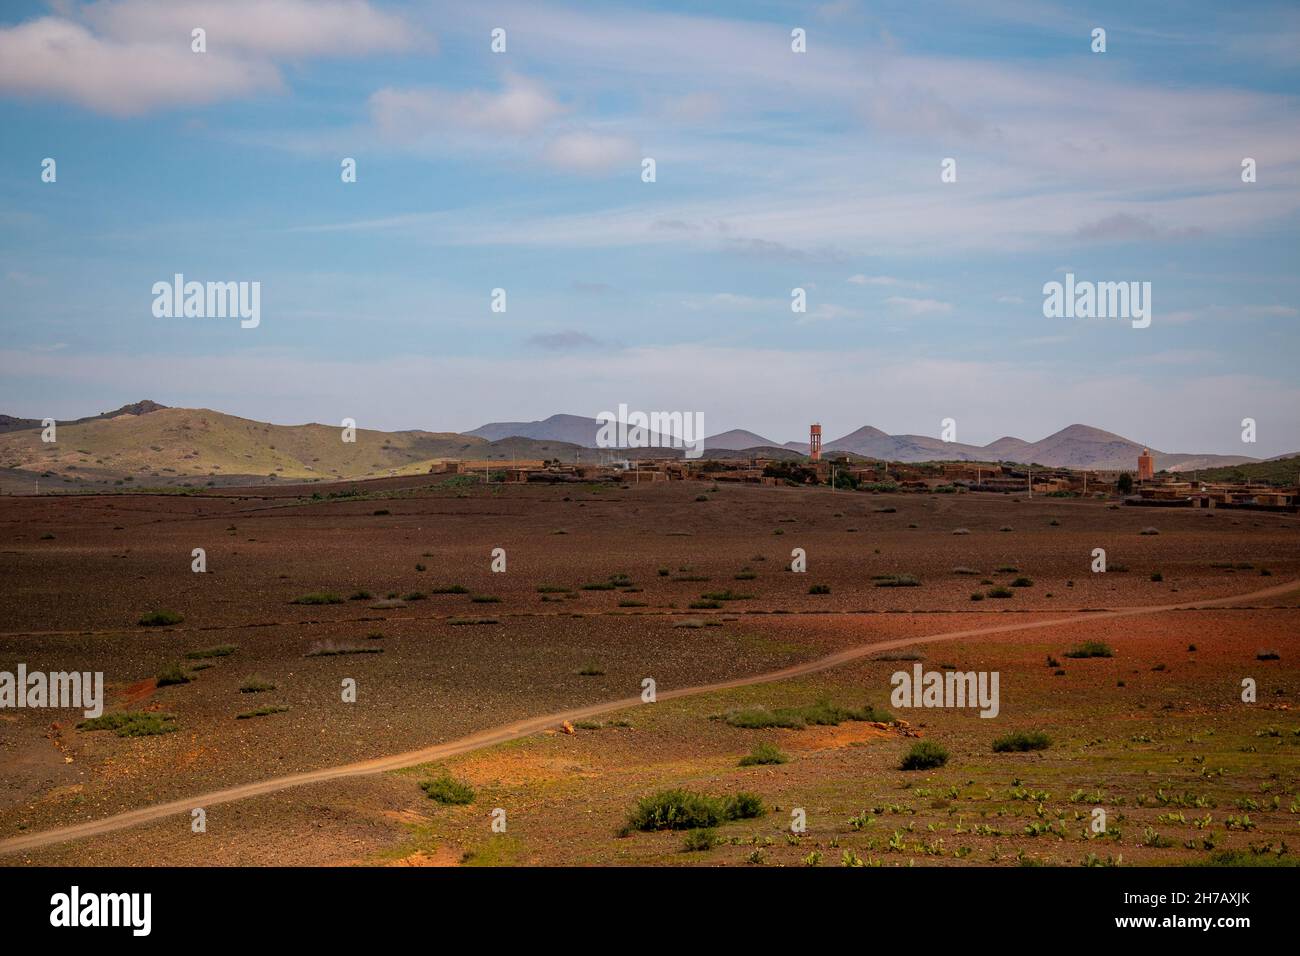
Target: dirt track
x,y
496,735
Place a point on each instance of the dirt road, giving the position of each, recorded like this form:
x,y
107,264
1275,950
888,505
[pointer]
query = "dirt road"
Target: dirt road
x,y
532,725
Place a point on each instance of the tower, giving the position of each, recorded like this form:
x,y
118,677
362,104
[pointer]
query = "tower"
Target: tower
x,y
1146,465
815,443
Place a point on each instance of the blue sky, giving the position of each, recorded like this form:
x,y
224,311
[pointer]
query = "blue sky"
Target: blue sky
x,y
775,170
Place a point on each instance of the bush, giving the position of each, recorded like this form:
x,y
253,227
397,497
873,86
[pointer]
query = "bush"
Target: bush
x,y
1090,649
897,581
925,755
446,789
173,675
1021,741
221,650
1022,583
451,589
763,754
361,595
699,840
822,713
132,723
160,619
676,809
318,597
680,809
820,589
255,685
977,596
1001,593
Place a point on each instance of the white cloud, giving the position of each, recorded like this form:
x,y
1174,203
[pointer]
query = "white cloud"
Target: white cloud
x,y
267,27
62,59
918,306
521,107
585,151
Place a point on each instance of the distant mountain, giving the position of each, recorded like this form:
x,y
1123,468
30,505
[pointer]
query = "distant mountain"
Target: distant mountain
x,y
738,439
1076,446
150,442
573,429
10,424
567,428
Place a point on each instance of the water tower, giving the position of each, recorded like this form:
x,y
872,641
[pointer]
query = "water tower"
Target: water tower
x,y
815,442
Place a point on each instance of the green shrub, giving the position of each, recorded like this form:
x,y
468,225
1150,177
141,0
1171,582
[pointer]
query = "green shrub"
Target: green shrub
x,y
680,809
820,589
221,650
822,713
446,789
132,723
897,581
160,619
676,809
172,675
1021,741
763,754
925,755
255,685
318,597
699,840
1022,583
451,589
1001,593
1090,649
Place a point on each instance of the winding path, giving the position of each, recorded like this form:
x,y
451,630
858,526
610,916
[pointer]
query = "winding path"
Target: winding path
x,y
532,725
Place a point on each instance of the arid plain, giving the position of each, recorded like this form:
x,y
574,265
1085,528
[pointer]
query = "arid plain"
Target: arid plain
x,y
595,598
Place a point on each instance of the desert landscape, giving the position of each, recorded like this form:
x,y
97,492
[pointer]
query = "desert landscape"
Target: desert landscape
x,y
515,694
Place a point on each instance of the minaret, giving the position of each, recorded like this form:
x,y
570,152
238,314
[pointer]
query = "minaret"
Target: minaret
x,y
815,443
1146,465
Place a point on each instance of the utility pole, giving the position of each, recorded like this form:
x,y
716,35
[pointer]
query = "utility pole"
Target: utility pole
x,y
1031,481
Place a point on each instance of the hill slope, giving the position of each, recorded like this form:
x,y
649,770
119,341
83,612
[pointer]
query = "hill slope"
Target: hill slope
x,y
203,444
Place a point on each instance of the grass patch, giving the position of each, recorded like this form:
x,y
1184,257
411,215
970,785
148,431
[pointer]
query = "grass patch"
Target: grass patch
x,y
451,589
330,649
763,754
457,621
1090,649
220,650
173,675
1001,593
1021,741
446,789
160,619
132,723
255,684
318,597
822,713
897,581
820,589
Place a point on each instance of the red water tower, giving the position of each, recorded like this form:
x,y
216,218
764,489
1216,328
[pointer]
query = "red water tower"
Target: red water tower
x,y
815,443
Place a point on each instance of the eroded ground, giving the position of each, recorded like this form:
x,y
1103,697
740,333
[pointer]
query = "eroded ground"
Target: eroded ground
x,y
1157,734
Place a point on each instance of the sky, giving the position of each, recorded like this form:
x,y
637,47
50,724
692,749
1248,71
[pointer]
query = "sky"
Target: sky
x,y
775,170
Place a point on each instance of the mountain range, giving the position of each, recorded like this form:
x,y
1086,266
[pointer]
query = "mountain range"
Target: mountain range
x,y
149,443
1076,446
